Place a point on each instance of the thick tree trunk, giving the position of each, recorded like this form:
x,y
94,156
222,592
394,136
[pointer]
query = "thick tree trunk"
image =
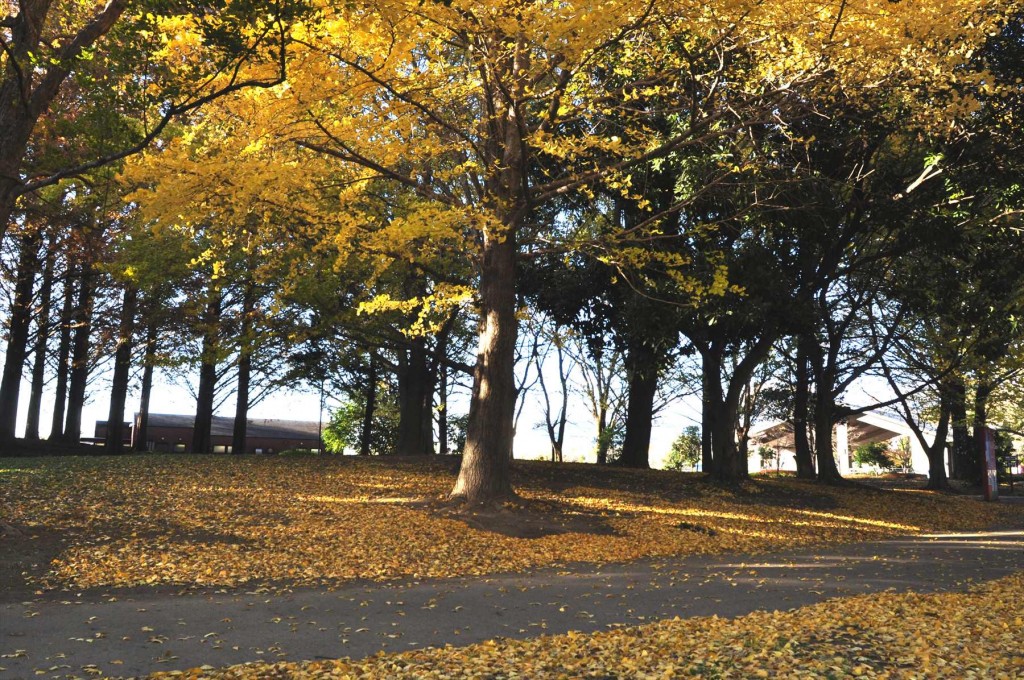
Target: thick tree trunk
x,y
60,392
730,463
980,422
369,409
937,479
17,339
642,371
202,441
140,437
484,475
35,398
122,370
80,356
415,393
824,422
801,397
963,464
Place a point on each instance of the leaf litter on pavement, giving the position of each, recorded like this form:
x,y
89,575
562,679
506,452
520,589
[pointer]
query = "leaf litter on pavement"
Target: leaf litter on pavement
x,y
884,635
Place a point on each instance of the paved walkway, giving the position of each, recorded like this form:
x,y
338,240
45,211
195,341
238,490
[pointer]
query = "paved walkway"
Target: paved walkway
x,y
138,634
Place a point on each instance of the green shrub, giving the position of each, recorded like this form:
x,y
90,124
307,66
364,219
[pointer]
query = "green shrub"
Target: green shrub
x,y
875,453
294,453
685,451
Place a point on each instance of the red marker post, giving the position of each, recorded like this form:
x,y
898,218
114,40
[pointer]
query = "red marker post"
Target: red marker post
x,y
991,472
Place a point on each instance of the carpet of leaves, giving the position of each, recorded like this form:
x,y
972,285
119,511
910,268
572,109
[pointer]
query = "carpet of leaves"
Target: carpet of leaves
x,y
886,635
223,521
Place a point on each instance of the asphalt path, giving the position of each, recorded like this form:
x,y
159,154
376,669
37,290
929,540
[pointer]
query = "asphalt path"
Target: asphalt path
x,y
133,633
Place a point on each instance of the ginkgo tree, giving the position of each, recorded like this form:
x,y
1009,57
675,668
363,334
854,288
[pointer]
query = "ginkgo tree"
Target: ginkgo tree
x,y
486,111
140,65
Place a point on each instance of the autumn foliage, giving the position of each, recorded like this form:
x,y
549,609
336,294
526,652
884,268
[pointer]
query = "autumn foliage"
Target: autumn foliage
x,y
887,635
266,521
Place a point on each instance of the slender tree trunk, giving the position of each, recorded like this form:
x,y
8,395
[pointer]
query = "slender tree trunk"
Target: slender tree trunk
x,y
642,371
427,410
35,398
202,441
80,356
140,436
369,409
17,339
442,407
604,442
711,397
485,473
60,396
801,397
238,432
122,370
241,424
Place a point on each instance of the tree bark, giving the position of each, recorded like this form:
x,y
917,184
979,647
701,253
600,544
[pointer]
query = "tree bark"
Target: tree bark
x,y
443,445
241,424
60,396
140,437
711,396
80,355
202,441
485,473
801,397
18,330
824,422
122,369
937,479
963,464
642,364
730,465
982,391
35,398
415,393
369,409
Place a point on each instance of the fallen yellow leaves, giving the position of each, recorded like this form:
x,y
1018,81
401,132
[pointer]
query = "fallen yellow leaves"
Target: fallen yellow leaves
x,y
144,520
887,635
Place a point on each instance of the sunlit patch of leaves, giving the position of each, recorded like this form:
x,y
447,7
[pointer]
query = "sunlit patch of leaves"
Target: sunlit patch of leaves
x,y
222,521
886,635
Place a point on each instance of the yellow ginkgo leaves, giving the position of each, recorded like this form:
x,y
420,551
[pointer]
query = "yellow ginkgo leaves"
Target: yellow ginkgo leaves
x,y
224,521
888,635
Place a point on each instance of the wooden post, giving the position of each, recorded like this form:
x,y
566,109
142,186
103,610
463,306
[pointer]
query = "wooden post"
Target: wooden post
x,y
991,471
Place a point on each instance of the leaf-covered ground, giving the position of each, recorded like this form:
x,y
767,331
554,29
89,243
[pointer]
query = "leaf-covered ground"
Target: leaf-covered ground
x,y
887,635
137,520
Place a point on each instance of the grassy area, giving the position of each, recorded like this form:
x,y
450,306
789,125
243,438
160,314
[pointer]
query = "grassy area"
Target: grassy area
x,y
887,635
220,520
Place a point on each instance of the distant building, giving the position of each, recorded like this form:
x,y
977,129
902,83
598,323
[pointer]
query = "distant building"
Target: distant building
x,y
173,433
848,434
